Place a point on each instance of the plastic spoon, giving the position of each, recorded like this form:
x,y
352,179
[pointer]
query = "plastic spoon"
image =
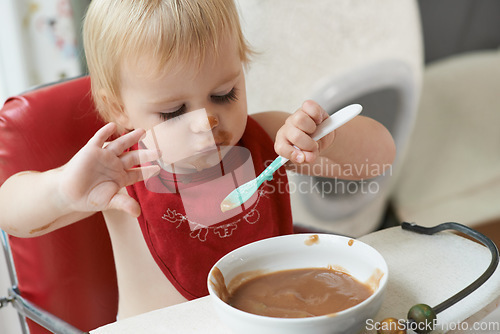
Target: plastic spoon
x,y
243,193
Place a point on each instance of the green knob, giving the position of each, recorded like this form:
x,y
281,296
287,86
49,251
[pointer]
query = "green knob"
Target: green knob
x,y
421,318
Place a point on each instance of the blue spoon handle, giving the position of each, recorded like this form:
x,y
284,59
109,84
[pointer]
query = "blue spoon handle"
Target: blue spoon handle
x,y
269,171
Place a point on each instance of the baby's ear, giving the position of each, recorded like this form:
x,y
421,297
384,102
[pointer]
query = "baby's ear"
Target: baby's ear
x,y
122,120
117,113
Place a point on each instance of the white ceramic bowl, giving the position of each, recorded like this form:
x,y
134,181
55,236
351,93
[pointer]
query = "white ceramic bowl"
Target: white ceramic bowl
x,y
294,252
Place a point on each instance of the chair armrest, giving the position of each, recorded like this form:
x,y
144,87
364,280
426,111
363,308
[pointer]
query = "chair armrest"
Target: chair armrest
x,y
40,316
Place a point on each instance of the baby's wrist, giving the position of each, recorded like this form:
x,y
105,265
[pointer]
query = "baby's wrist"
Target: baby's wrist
x,y
60,198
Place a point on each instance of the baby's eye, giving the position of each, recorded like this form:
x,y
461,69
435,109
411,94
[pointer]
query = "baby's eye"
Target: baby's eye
x,y
229,97
173,114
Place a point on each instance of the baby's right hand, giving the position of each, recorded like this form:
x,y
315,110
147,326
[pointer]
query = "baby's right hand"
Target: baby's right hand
x,y
92,179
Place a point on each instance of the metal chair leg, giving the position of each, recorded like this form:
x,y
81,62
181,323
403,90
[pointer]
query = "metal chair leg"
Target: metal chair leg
x,y
27,309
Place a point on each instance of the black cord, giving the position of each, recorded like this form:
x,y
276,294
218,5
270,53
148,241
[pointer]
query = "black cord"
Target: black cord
x,y
471,233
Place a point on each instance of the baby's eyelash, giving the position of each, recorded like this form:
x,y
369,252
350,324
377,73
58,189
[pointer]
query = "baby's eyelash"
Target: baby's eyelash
x,y
173,115
229,97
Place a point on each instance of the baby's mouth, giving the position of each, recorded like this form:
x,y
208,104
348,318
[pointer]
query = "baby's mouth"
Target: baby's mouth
x,y
207,149
222,140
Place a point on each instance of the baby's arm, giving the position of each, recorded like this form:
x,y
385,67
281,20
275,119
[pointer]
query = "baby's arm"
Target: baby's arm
x,y
35,203
361,148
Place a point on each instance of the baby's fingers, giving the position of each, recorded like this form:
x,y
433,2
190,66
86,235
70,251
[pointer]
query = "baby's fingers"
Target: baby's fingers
x,y
139,157
122,143
287,149
314,111
102,135
142,173
299,156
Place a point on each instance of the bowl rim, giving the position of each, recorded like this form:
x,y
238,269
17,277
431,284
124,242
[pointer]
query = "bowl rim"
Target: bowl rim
x,y
376,294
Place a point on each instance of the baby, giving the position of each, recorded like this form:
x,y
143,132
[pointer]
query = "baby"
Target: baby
x,y
156,63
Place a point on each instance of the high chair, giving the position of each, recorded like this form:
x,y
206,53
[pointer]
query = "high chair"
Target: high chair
x,y
70,273
65,280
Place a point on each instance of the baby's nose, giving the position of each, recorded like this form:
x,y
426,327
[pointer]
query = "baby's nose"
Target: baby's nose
x,y
204,124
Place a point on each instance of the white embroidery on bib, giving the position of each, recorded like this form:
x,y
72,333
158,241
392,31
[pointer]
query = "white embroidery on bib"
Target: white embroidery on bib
x,y
200,231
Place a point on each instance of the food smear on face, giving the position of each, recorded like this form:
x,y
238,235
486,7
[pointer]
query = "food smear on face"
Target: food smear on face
x,y
223,137
212,122
299,293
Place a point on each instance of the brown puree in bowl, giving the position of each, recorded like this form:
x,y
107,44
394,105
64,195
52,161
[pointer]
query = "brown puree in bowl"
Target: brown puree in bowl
x,y
299,293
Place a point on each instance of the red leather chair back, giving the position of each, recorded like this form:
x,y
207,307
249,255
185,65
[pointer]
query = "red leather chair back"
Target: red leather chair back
x,y
69,272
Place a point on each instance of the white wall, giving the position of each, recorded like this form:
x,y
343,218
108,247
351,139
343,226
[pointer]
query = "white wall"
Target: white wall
x,y
9,47
38,44
3,88
13,68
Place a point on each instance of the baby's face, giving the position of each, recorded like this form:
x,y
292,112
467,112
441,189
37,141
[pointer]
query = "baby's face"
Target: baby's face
x,y
191,111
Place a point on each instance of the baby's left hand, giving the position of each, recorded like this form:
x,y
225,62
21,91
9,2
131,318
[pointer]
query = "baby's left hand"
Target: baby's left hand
x,y
297,131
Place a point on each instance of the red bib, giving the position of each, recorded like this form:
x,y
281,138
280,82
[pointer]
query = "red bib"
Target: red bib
x,y
183,227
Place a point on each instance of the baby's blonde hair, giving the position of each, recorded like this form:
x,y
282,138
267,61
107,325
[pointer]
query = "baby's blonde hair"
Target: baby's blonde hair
x,y
173,32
